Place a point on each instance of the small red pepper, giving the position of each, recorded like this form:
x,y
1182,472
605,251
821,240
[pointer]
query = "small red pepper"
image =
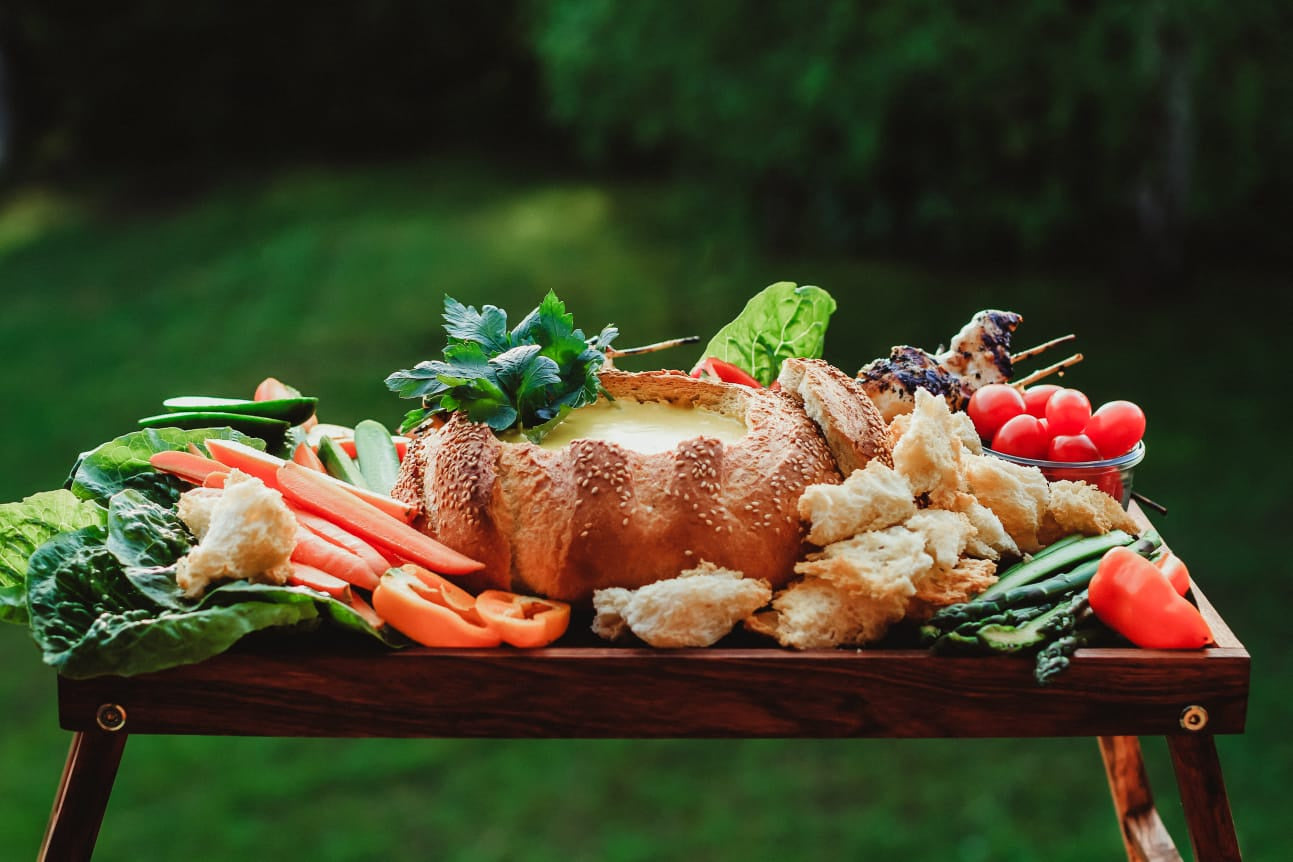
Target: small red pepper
x,y
1173,568
1131,596
724,371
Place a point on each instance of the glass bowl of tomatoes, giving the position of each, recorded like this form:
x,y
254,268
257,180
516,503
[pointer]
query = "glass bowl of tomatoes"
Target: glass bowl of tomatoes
x,y
1112,475
1054,429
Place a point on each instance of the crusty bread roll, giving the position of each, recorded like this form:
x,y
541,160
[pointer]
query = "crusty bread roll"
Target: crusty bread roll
x,y
592,514
854,429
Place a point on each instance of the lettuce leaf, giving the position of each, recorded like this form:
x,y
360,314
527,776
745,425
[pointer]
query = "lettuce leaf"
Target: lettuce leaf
x,y
123,463
779,322
24,527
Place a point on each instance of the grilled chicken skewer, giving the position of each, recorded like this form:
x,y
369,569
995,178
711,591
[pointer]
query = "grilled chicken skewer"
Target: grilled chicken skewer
x,y
979,354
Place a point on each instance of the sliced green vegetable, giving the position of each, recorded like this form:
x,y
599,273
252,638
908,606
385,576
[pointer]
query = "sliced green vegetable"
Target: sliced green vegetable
x,y
339,464
272,431
378,459
779,322
291,410
1057,557
1009,639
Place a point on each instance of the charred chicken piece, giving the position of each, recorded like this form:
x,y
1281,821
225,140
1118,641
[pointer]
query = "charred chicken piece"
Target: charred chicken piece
x,y
892,383
980,352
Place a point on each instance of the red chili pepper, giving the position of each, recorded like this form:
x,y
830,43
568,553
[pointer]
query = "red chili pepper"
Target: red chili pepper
x,y
1173,568
725,371
1131,596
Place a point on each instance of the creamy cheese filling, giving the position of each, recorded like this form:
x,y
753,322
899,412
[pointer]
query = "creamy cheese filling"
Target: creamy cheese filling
x,y
643,426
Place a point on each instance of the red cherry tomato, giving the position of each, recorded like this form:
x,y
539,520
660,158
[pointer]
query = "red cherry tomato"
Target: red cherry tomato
x,y
1035,398
1072,447
1022,437
1116,427
992,406
1067,412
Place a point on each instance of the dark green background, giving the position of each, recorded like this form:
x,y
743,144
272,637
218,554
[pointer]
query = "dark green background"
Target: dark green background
x,y
185,262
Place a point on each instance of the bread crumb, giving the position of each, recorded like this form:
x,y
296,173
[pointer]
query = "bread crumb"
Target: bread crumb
x,y
248,534
960,583
990,540
196,507
872,498
695,609
880,566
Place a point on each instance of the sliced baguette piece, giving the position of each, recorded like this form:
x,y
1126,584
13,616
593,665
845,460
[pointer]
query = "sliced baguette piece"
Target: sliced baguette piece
x,y
848,419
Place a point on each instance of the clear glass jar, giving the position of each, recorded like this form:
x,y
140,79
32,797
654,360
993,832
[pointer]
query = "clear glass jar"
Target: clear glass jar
x,y
1112,476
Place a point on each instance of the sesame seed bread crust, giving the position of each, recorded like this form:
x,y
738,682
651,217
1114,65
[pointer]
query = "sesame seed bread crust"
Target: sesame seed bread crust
x,y
591,515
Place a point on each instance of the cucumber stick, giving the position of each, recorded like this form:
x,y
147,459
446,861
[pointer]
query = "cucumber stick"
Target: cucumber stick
x,y
269,430
339,464
292,410
378,460
1060,556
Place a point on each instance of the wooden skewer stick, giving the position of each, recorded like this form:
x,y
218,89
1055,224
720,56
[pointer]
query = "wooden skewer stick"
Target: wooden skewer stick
x,y
652,348
1041,348
1047,371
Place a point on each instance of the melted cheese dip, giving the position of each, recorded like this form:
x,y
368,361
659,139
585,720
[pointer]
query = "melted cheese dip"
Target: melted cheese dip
x,y
643,426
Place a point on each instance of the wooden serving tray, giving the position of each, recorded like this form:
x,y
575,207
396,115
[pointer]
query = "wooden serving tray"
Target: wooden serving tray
x,y
598,691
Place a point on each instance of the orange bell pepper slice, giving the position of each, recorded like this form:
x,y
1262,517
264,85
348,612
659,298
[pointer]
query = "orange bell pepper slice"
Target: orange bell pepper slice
x,y
430,610
523,621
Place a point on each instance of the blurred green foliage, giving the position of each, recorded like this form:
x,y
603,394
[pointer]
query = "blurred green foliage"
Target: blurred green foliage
x,y
947,128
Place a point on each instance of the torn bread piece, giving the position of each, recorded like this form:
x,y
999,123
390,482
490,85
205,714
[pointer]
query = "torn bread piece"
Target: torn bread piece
x,y
879,566
695,609
848,419
1077,507
817,614
872,498
248,534
990,540
945,535
928,453
1016,494
958,584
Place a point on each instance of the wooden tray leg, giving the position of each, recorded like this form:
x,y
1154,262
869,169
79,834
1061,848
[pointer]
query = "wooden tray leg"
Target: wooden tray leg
x,y
1203,796
82,796
1143,832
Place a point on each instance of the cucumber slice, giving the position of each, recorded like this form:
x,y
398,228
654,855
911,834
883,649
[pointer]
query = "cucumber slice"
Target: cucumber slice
x,y
269,430
378,460
339,464
294,411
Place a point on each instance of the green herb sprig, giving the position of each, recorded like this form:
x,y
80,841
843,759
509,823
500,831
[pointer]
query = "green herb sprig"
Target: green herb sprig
x,y
527,378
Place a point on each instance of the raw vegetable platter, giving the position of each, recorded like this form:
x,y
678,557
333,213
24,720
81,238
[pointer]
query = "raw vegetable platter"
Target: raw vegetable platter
x,y
106,574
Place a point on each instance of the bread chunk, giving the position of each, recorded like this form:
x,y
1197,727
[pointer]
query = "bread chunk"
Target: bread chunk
x,y
879,566
695,609
990,540
1076,507
816,614
945,535
929,453
1016,494
958,584
249,535
872,498
848,419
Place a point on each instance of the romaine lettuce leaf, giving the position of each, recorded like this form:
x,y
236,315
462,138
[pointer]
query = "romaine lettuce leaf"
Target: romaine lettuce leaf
x,y
123,463
779,322
24,527
142,533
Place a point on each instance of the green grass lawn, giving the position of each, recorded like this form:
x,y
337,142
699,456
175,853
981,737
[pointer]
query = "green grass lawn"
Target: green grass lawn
x,y
330,279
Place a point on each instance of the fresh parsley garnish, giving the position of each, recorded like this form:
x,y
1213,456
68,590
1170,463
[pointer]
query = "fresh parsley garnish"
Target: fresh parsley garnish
x,y
527,378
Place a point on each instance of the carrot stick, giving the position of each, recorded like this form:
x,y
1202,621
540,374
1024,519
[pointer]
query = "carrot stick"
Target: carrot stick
x,y
325,529
366,611
216,479
317,579
315,492
186,465
338,562
265,468
307,457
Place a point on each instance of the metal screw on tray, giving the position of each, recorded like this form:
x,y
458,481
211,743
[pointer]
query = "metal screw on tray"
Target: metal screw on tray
x,y
1194,718
111,717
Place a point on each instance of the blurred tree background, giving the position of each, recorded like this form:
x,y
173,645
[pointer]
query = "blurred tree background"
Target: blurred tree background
x,y
193,196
